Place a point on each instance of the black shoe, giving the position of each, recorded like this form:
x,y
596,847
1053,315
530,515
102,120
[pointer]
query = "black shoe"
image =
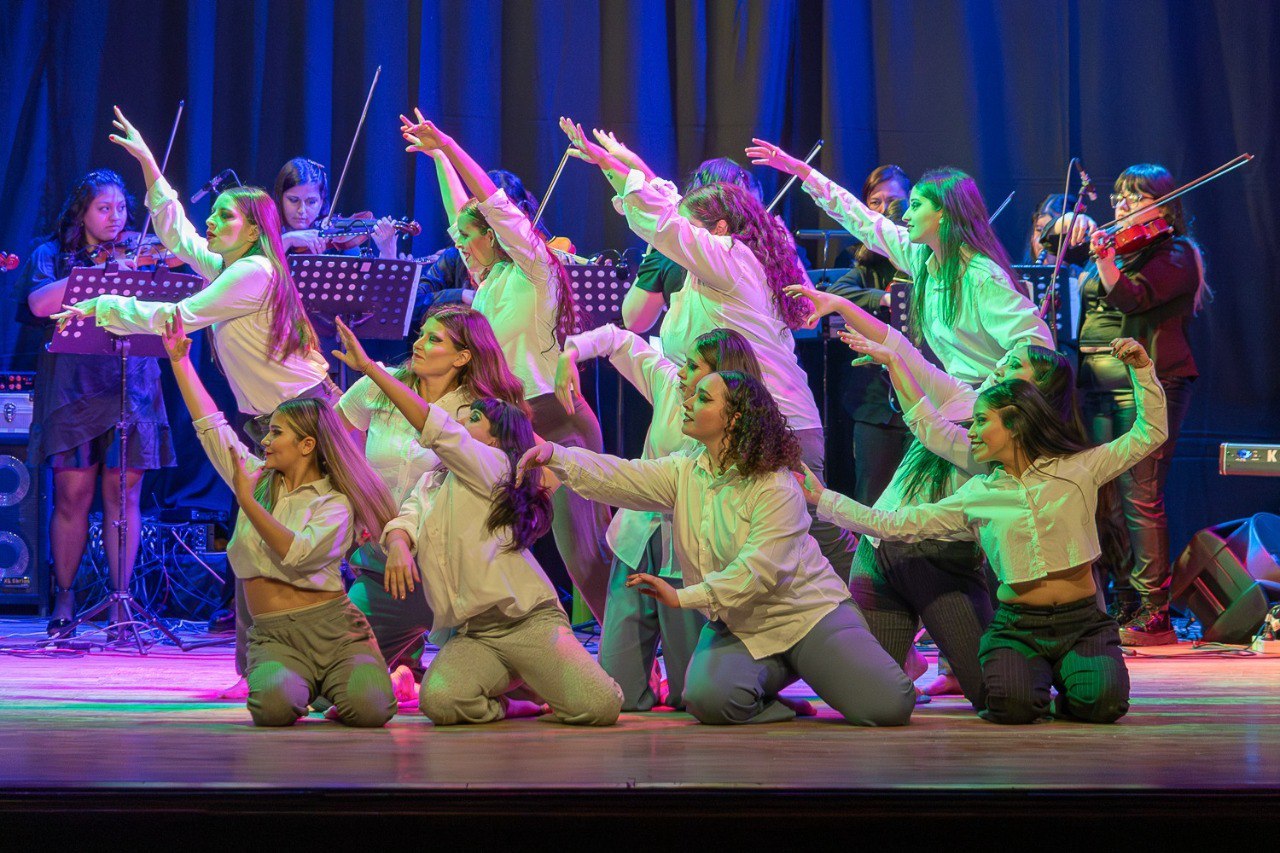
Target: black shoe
x,y
222,622
57,626
1150,627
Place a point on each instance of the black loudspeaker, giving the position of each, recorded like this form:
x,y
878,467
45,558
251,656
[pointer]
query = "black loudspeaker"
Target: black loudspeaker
x,y
1228,575
24,562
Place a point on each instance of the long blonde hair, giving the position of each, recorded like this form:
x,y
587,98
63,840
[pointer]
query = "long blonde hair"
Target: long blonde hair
x,y
291,329
339,459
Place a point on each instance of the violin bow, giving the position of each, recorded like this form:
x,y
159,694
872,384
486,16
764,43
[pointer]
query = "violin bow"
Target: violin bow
x,y
333,203
782,192
1229,166
168,149
1000,209
546,197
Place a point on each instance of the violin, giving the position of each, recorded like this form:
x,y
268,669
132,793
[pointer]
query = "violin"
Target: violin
x,y
1135,238
342,233
144,252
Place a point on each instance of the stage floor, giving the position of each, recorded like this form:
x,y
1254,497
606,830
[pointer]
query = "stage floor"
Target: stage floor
x,y
115,720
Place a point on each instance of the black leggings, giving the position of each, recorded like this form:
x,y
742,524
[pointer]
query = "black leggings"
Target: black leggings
x,y
938,583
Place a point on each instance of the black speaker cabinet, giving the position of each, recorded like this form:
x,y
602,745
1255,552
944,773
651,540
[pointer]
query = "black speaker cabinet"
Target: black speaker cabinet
x,y
24,562
1227,575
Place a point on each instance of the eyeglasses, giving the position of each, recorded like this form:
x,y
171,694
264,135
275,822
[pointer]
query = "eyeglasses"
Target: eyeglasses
x,y
1130,199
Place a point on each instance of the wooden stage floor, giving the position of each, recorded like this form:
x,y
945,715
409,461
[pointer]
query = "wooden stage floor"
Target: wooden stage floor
x,y
113,730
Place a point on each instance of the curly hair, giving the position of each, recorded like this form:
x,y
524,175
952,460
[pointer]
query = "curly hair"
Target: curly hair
x,y
757,437
763,234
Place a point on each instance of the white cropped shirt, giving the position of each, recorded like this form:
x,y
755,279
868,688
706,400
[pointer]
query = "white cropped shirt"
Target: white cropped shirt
x,y
519,297
319,517
992,317
725,287
658,380
465,570
235,304
1028,526
743,543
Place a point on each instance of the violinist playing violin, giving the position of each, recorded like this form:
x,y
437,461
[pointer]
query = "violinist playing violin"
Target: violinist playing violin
x,y
1146,282
77,397
302,195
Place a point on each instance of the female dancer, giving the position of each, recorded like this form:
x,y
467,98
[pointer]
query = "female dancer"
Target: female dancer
x,y
301,193
455,362
779,612
659,277
1033,516
77,402
301,509
641,541
963,301
1150,295
526,296
738,258
470,528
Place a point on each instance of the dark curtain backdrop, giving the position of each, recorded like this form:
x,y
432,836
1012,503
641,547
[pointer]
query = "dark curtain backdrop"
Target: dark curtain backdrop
x,y
1005,90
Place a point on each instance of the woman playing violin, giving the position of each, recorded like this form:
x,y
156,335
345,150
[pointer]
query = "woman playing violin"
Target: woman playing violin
x,y
302,196
1151,295
77,399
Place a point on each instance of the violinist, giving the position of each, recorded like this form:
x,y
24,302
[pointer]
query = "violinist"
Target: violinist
x,y
77,399
302,196
1151,295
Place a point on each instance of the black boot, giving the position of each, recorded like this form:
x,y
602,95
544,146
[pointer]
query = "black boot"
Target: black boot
x,y
1149,627
57,625
1124,605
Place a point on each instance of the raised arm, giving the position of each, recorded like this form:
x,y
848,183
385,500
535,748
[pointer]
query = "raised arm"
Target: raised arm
x,y
879,232
452,193
642,365
352,354
908,524
423,136
1150,426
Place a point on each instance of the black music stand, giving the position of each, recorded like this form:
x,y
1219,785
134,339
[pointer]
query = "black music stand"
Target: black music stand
x,y
1040,277
600,290
374,296
83,337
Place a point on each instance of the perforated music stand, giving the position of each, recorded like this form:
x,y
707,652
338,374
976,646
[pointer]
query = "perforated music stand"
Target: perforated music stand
x,y
599,290
374,296
84,337
1040,277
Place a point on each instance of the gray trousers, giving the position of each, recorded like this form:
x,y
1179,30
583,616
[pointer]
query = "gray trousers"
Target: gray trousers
x,y
578,525
836,543
838,658
398,625
328,650
633,624
492,655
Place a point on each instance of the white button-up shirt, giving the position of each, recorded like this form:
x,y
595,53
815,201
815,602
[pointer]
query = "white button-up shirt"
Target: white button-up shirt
x,y
658,380
319,517
391,445
1028,526
465,570
992,317
519,297
725,287
235,303
743,543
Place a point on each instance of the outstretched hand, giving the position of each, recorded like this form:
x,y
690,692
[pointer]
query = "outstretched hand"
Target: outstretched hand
x,y
538,456
762,153
422,135
352,353
130,139
176,342
619,151
823,303
809,484
71,313
867,348
1130,352
567,379
582,147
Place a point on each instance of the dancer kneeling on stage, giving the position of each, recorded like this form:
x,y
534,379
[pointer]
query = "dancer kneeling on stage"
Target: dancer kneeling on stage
x,y
1034,517
300,510
779,612
497,619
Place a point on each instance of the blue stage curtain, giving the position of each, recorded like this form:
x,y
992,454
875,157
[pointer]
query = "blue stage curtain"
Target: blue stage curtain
x,y
1004,89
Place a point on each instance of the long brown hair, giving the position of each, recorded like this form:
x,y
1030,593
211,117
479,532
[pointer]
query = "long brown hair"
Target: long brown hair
x,y
525,508
763,234
757,437
726,349
69,230
485,375
339,459
567,320
301,170
964,234
291,329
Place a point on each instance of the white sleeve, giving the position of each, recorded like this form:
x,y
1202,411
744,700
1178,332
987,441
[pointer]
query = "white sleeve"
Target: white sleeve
x,y
1008,316
477,466
720,262
223,446
878,232
515,234
632,356
356,403
409,519
643,484
1150,430
908,524
239,291
177,233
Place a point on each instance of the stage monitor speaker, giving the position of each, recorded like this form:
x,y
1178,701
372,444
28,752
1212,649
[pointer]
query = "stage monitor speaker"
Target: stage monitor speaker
x,y
1227,576
24,564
